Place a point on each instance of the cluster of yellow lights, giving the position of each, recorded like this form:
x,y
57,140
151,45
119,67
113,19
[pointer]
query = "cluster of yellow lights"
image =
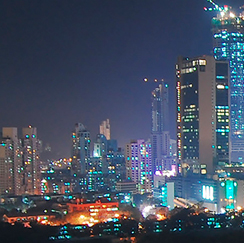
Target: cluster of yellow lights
x,y
160,217
227,15
155,80
93,219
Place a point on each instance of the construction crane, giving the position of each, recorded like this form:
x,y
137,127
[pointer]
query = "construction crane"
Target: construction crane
x,y
224,11
218,8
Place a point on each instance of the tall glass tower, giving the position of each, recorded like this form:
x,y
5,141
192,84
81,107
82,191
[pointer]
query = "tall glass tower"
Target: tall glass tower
x,y
160,108
160,124
202,114
228,44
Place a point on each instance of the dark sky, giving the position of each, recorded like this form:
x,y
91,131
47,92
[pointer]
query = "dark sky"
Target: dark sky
x,y
72,61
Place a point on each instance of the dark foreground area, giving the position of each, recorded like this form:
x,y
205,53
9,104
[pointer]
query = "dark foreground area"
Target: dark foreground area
x,y
204,236
41,234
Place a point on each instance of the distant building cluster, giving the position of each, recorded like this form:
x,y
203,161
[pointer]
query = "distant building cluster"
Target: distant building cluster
x,y
96,166
204,164
145,159
210,119
20,161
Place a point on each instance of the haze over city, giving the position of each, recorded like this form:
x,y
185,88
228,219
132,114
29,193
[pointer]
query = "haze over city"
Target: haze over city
x,y
64,62
122,121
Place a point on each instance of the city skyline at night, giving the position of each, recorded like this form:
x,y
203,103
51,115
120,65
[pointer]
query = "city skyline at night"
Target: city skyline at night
x,y
122,121
228,41
68,62
203,113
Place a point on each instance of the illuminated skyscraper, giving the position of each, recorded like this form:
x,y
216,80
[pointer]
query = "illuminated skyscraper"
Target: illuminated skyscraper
x,y
160,108
10,162
105,129
139,165
81,155
228,41
80,149
202,113
31,174
101,150
160,125
20,171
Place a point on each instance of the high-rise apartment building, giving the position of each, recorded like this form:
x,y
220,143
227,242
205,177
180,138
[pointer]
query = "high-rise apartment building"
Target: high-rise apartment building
x,y
157,152
95,175
228,40
10,162
80,149
139,164
101,150
107,164
202,113
20,171
31,174
160,108
116,165
160,125
105,129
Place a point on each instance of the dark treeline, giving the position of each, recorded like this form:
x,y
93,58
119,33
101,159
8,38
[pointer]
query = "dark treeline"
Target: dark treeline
x,y
206,236
19,233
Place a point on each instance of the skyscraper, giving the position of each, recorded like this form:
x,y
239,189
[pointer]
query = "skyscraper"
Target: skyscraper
x,y
10,162
95,175
160,108
80,149
105,129
202,113
81,155
160,125
31,148
20,171
228,44
101,150
138,164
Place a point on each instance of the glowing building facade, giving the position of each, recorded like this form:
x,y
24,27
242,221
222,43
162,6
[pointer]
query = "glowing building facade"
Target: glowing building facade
x,y
20,171
10,162
228,44
31,174
105,129
80,149
81,153
160,108
160,125
202,113
139,164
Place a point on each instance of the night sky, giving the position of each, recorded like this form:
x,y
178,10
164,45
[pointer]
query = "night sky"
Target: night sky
x,y
84,61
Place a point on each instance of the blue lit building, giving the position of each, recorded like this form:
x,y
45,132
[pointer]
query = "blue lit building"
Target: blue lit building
x,y
228,44
160,125
139,164
202,114
197,189
95,175
56,181
165,194
116,166
81,154
160,108
80,149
